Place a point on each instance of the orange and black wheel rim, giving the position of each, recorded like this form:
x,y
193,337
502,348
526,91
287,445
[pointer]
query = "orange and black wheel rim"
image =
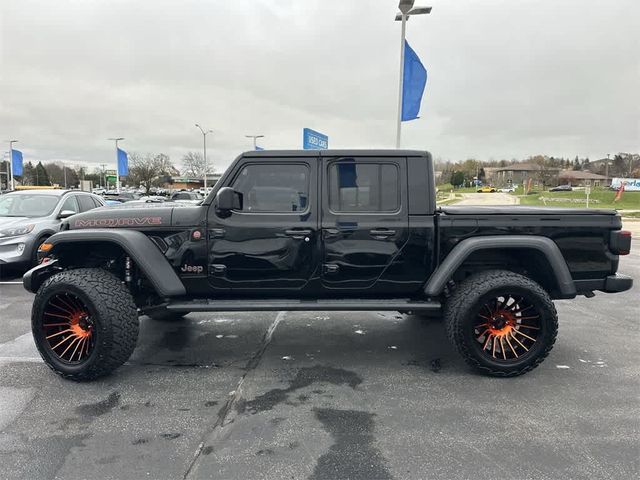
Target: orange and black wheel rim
x,y
68,328
507,327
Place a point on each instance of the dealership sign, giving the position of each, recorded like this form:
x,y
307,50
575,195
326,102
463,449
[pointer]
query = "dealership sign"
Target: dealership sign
x,y
630,184
312,140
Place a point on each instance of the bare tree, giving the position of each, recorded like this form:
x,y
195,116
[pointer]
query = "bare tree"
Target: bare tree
x,y
143,170
146,170
545,172
193,165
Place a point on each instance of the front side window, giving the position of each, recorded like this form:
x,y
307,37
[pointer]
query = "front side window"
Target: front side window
x,y
364,187
277,188
70,204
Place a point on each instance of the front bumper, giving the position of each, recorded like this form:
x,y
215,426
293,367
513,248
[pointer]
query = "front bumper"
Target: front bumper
x,y
33,278
15,250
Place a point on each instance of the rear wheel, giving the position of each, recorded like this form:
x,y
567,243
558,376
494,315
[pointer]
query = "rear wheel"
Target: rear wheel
x,y
84,323
504,324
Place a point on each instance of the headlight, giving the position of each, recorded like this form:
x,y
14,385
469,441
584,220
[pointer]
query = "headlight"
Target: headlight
x,y
15,231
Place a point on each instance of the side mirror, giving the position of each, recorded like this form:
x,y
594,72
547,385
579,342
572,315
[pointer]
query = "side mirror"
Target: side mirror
x,y
228,199
66,213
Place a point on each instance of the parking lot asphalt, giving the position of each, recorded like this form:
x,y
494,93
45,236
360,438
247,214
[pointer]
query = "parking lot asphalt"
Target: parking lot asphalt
x,y
366,395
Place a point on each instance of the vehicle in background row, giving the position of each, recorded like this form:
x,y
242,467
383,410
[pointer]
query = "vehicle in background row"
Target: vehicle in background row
x,y
486,189
29,217
323,230
561,188
507,190
121,196
184,196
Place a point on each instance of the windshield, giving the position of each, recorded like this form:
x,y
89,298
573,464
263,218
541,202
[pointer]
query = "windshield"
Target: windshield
x,y
27,205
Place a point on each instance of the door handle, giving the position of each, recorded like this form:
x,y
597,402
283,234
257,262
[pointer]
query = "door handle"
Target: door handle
x,y
298,234
382,233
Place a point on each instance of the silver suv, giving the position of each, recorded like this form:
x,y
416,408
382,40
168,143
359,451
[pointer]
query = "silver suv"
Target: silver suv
x,y
29,217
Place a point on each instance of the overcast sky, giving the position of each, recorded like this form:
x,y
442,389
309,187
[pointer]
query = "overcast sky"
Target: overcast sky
x,y
507,79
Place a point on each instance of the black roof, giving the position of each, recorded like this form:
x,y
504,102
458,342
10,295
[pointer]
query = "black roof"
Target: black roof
x,y
333,153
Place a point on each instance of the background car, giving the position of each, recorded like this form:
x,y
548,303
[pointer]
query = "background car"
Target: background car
x,y
186,197
507,189
29,217
561,188
486,189
121,196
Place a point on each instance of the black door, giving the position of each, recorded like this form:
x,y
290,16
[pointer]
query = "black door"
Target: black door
x,y
271,245
364,224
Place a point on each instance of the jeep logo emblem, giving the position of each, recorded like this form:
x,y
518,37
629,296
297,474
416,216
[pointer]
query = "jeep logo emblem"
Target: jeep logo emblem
x,y
192,268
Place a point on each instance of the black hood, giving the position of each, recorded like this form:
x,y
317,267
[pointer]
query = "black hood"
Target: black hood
x,y
142,216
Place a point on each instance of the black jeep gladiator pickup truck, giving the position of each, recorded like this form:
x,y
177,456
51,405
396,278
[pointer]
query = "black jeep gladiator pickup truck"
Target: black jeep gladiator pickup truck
x,y
322,230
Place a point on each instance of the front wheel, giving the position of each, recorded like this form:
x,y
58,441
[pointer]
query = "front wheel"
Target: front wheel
x,y
84,323
504,324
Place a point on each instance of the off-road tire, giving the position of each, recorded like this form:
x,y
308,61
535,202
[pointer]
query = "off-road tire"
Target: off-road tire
x,y
113,313
463,306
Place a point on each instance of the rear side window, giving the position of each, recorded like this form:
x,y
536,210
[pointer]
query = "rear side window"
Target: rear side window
x,y
86,203
276,188
364,187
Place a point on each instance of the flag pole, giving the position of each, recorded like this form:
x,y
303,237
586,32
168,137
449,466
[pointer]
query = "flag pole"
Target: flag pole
x,y
13,182
402,43
117,170
13,187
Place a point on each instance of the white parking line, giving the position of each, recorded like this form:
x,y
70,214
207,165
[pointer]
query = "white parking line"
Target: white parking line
x,y
20,349
10,283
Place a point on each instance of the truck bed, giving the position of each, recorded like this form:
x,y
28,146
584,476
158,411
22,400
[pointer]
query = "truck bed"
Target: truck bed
x,y
521,210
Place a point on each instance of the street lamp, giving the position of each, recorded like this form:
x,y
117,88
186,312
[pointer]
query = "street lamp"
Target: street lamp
x,y
206,166
254,139
117,170
606,172
406,10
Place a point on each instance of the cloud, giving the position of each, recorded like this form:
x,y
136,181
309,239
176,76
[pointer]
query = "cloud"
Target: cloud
x,y
506,79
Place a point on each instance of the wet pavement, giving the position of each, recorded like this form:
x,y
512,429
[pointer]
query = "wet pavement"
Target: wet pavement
x,y
360,395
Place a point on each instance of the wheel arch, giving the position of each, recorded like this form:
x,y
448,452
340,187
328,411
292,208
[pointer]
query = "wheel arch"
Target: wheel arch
x,y
142,251
539,256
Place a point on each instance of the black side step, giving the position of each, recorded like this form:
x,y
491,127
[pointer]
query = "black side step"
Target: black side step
x,y
247,305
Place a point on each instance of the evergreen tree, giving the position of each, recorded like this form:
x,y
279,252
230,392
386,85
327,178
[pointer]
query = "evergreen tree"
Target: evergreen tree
x,y
42,178
457,178
28,174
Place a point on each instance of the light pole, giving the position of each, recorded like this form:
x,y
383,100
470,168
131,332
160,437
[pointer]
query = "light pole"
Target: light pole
x,y
104,176
254,139
606,172
117,172
13,183
406,10
206,166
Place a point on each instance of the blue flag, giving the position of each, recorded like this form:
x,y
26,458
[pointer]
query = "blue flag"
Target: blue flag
x,y
123,163
414,80
16,162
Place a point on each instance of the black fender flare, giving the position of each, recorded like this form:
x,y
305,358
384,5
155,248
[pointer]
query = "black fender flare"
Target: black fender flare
x,y
144,253
436,283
